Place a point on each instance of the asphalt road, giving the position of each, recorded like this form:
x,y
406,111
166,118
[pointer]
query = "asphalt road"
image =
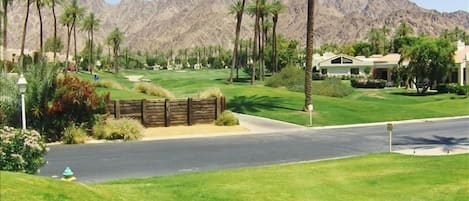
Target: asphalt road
x,y
103,162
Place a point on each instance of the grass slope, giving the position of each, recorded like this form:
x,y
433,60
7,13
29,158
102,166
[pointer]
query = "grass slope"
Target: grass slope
x,y
374,177
363,106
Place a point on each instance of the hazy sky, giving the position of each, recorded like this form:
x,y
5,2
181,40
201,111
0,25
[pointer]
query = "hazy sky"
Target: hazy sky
x,y
440,5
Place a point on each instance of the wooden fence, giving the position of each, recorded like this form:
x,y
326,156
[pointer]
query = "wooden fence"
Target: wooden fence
x,y
165,113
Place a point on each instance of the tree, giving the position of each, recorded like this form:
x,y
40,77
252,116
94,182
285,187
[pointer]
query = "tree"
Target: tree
x,y
429,61
237,9
277,7
39,5
309,55
362,49
69,19
5,4
53,44
23,40
115,39
91,24
404,30
52,4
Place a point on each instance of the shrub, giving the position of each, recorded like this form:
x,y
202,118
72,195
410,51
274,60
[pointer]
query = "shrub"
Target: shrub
x,y
9,102
153,90
21,151
332,87
110,84
318,76
74,135
119,129
290,77
370,84
210,93
452,88
75,103
227,118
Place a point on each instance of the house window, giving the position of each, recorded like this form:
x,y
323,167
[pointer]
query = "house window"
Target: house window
x,y
354,71
337,61
324,71
346,61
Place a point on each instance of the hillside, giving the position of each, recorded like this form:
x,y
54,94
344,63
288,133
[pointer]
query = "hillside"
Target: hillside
x,y
176,24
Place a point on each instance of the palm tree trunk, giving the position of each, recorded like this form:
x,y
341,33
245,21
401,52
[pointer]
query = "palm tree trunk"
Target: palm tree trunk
x,y
69,37
91,50
23,40
75,45
254,49
309,55
274,43
41,31
5,32
236,45
55,30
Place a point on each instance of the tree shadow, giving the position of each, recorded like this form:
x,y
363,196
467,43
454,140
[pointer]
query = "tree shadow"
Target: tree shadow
x,y
243,104
414,94
436,140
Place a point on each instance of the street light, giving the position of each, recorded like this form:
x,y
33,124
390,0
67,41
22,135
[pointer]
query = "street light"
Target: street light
x,y
22,87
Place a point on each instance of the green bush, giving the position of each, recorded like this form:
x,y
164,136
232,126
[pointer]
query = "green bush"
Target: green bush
x,y
153,90
227,118
119,129
214,92
110,84
21,151
370,84
9,102
74,135
290,77
332,87
452,88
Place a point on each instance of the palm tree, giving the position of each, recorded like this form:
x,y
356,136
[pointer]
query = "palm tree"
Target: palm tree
x,y
23,40
254,10
69,19
237,9
309,55
52,4
403,30
39,5
375,37
5,4
277,7
114,39
91,24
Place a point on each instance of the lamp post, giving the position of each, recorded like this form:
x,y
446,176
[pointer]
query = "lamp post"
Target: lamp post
x,y
22,87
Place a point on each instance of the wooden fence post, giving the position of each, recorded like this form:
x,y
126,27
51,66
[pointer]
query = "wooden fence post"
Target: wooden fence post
x,y
117,109
144,112
167,113
189,111
217,107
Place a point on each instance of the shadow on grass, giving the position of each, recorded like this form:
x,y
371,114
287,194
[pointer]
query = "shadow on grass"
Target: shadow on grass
x,y
436,140
414,94
256,103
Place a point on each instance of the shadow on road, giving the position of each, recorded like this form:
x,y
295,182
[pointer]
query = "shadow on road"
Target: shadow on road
x,y
435,140
256,103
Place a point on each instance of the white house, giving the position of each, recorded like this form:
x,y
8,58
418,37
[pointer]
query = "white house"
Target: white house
x,y
460,74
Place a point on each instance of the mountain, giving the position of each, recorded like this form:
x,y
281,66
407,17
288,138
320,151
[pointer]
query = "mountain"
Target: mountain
x,y
176,24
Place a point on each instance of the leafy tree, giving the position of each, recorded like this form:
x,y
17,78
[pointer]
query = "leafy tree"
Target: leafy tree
x,y
362,49
115,39
309,55
404,30
53,44
429,61
237,9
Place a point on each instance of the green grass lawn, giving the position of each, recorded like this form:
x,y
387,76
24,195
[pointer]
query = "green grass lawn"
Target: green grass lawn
x,y
375,177
362,106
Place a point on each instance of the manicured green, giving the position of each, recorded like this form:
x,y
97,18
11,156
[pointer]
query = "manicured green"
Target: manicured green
x,y
362,106
390,177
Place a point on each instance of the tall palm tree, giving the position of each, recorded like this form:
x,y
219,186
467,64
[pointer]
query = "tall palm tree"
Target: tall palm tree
x,y
52,4
404,30
277,7
69,19
39,5
91,24
23,40
309,55
237,9
115,39
5,4
254,10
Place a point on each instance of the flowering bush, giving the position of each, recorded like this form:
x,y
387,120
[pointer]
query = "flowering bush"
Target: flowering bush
x,y
21,151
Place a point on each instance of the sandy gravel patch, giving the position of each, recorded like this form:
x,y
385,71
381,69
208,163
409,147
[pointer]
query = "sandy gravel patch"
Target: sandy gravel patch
x,y
205,130
134,78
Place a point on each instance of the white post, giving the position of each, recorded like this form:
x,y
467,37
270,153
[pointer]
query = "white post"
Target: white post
x,y
310,108
390,141
23,111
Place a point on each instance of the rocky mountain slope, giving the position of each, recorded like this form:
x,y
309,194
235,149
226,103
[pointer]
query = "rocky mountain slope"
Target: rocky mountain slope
x,y
176,24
